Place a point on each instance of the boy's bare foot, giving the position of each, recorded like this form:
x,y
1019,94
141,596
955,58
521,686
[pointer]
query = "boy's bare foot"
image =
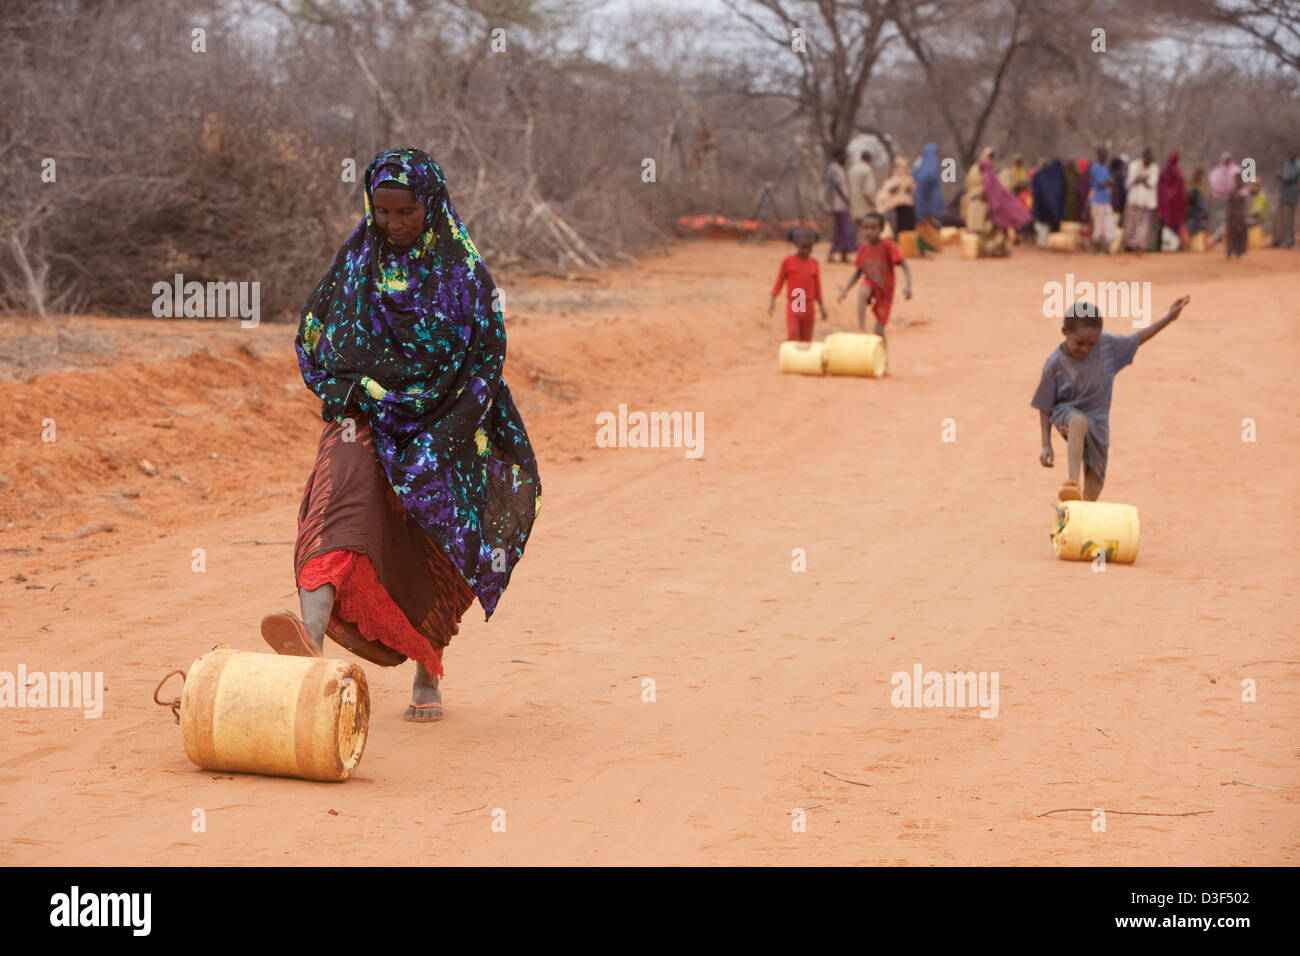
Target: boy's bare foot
x,y
1069,491
287,635
426,698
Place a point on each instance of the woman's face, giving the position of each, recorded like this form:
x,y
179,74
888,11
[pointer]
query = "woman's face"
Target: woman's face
x,y
398,215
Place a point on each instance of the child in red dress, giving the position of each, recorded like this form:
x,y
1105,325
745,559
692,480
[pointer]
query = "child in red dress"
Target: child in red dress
x,y
802,279
875,263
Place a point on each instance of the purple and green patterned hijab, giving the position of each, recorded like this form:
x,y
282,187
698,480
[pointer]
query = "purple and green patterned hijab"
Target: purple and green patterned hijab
x,y
414,338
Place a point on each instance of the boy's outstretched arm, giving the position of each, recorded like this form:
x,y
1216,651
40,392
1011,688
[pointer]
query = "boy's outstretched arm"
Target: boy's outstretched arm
x,y
907,280
1174,311
1046,456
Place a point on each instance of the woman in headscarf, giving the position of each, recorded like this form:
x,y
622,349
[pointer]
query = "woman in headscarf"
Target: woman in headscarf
x,y
1118,187
1049,199
1083,189
928,198
1072,177
1171,197
895,197
1006,213
1223,179
1198,202
1234,218
425,486
975,207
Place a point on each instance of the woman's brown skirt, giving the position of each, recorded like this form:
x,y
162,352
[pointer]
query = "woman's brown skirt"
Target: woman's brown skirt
x,y
398,595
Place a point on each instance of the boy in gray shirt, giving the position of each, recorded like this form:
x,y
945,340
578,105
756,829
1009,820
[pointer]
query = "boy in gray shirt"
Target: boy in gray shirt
x,y
1074,392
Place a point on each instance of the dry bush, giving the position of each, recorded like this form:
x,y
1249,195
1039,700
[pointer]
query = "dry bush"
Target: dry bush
x,y
226,165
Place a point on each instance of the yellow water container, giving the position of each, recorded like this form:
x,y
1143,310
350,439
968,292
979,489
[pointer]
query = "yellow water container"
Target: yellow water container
x,y
1073,229
1254,237
888,231
802,358
951,235
907,243
1083,527
284,716
970,245
1118,244
1062,242
855,353
1198,243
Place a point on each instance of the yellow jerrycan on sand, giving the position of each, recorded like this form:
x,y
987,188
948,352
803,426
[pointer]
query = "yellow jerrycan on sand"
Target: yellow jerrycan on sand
x,y
1083,527
283,716
802,358
907,243
855,353
970,245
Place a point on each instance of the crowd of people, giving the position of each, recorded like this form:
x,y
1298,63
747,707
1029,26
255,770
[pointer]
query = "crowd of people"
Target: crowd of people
x,y
1120,203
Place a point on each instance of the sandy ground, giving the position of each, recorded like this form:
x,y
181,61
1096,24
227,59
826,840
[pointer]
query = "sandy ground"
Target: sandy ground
x,y
1119,690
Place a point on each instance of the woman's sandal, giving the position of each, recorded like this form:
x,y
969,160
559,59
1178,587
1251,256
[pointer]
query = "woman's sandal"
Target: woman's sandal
x,y
288,635
423,713
1069,491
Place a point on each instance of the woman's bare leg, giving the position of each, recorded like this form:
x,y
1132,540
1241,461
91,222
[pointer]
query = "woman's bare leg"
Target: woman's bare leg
x,y
425,689
316,607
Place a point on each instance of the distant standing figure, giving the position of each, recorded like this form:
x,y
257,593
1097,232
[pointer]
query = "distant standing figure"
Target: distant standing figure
x,y
1082,189
1142,175
896,196
1257,214
1118,187
1006,214
1290,194
1099,207
1171,200
1234,224
928,200
1049,199
1071,208
1223,179
862,187
1198,202
837,197
974,204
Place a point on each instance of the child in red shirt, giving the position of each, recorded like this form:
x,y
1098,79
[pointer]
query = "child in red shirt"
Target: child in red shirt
x,y
875,263
802,279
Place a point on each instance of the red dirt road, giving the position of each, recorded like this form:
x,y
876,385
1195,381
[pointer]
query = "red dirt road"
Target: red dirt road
x,y
1119,690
